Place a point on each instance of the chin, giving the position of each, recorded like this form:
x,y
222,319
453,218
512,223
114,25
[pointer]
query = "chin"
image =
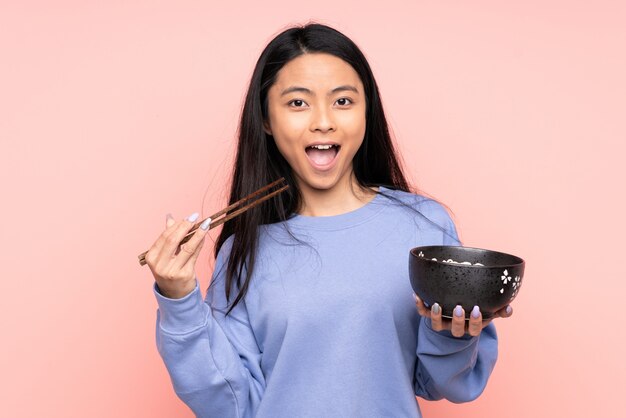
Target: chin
x,y
318,182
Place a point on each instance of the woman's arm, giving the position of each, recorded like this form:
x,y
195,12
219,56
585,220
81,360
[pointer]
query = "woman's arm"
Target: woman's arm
x,y
453,368
213,360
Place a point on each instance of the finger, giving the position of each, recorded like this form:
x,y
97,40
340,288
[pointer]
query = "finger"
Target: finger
x,y
169,220
435,317
476,322
154,252
190,267
190,250
421,308
505,312
173,239
170,226
458,321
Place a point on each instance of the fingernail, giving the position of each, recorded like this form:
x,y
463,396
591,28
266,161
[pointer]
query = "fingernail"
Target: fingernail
x,y
193,217
205,224
458,311
509,310
475,312
436,309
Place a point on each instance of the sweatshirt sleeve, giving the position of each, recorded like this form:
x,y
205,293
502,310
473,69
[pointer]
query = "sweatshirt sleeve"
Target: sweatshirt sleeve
x,y
213,360
456,369
453,368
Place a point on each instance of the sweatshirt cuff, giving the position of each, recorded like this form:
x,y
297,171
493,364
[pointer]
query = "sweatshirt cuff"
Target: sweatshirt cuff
x,y
182,315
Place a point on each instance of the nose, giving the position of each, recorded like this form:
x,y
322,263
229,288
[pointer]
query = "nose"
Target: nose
x,y
322,119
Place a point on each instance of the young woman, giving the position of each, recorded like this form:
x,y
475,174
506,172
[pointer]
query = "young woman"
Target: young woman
x,y
310,312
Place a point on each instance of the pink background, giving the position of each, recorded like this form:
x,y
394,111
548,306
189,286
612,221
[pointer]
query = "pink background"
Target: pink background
x,y
115,113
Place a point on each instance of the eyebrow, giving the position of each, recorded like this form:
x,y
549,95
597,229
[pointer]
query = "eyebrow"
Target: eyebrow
x,y
345,87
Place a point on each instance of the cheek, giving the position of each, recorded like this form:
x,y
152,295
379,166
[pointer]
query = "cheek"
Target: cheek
x,y
354,127
282,145
294,125
288,132
286,142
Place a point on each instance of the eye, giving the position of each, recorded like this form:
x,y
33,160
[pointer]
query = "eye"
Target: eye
x,y
296,101
345,98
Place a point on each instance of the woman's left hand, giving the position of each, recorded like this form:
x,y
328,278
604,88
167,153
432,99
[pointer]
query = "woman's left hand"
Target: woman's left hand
x,y
458,326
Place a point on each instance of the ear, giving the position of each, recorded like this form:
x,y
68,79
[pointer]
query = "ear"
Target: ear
x,y
266,128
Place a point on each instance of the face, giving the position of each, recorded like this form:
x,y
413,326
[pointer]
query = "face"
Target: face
x,y
317,118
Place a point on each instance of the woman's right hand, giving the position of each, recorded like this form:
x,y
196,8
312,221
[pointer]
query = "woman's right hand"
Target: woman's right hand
x,y
173,268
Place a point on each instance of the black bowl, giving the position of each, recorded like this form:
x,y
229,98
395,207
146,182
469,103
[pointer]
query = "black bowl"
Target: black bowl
x,y
491,286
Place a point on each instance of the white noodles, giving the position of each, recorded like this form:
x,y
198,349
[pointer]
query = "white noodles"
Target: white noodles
x,y
449,260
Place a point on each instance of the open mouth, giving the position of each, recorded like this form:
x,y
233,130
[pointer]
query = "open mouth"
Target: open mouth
x,y
322,156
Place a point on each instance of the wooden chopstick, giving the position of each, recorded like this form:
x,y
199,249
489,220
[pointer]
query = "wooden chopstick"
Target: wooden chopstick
x,y
214,223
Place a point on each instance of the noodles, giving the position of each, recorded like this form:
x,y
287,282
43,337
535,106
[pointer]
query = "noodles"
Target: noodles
x,y
449,260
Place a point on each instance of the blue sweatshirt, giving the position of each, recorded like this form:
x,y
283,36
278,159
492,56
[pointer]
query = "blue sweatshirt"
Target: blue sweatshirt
x,y
329,326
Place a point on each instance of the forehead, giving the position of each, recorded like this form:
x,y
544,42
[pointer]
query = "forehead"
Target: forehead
x,y
316,71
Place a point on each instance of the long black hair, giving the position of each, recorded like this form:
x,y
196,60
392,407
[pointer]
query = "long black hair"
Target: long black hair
x,y
258,161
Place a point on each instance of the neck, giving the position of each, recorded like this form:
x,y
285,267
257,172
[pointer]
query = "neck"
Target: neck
x,y
344,197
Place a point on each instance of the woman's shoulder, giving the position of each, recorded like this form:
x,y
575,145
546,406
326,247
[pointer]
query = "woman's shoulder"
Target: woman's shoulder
x,y
428,213
419,201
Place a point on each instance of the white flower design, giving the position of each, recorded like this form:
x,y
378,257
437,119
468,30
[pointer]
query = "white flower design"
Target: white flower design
x,y
506,278
516,283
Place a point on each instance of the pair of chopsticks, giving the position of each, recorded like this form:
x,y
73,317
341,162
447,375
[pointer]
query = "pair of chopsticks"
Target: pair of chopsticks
x,y
217,222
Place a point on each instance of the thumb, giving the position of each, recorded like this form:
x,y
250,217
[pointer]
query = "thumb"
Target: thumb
x,y
169,220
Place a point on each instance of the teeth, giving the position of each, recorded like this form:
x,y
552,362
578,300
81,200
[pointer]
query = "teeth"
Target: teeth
x,y
322,146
